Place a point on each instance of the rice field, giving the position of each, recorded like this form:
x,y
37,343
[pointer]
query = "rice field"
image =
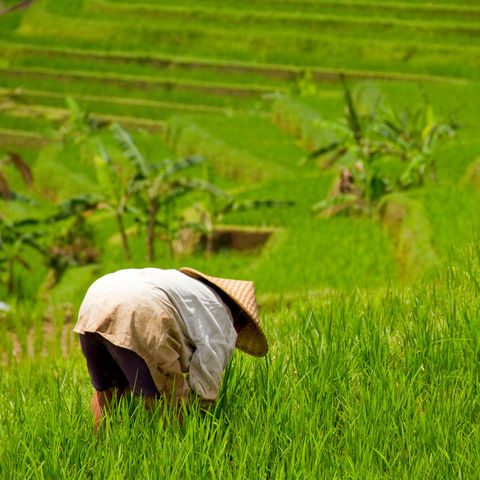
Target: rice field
x,y
358,385
372,370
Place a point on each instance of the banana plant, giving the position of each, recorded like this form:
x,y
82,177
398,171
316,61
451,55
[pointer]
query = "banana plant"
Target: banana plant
x,y
382,150
414,137
156,187
79,127
115,192
16,239
70,242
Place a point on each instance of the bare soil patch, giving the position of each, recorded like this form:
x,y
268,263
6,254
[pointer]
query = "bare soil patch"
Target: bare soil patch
x,y
239,238
224,237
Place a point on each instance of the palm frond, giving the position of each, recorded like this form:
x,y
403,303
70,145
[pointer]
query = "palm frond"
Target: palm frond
x,y
31,241
130,150
138,214
74,206
75,110
174,192
107,176
183,164
323,150
22,198
334,201
352,116
23,223
240,206
203,186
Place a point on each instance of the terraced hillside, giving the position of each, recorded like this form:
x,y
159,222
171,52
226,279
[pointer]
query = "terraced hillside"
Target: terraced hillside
x,y
108,112
246,85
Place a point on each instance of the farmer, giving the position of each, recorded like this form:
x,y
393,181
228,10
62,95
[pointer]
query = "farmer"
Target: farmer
x,y
164,334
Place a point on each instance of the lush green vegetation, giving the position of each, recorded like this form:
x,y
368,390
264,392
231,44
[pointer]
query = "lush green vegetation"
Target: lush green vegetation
x,y
371,313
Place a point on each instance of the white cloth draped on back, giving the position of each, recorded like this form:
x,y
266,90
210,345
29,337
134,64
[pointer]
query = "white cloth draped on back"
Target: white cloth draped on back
x,y
126,303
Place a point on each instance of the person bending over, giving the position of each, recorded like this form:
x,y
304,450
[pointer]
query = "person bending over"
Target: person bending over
x,y
164,334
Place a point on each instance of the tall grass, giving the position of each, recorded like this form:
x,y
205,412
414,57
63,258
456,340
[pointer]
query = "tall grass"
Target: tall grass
x,y
361,385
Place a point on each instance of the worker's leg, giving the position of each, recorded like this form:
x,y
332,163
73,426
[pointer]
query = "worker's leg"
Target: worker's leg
x,y
103,402
134,369
108,380
116,370
141,381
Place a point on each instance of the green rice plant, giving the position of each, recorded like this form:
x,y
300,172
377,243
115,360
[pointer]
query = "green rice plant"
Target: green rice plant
x,y
364,9
279,155
336,253
412,238
274,20
66,295
452,212
297,49
300,121
38,336
145,82
26,127
472,175
149,88
302,189
20,328
371,384
7,349
141,64
57,162
188,138
3,339
54,345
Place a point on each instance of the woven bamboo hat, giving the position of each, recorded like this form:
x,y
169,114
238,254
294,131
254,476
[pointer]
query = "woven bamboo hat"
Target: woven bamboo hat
x,y
239,295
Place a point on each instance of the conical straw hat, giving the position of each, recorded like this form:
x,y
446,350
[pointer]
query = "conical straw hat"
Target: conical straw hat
x,y
239,295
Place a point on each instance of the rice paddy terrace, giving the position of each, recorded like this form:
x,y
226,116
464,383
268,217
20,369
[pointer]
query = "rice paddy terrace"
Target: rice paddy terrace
x,y
216,71
378,382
